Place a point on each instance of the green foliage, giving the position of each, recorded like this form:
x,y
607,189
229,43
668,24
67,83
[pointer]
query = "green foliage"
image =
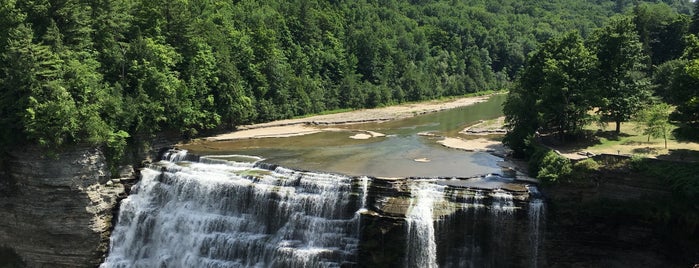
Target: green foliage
x,y
694,25
550,167
654,121
555,84
661,30
116,146
553,167
80,71
680,89
536,157
521,120
587,165
584,171
620,72
563,81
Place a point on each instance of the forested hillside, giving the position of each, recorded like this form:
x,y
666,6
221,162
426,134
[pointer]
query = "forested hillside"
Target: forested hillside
x,y
101,71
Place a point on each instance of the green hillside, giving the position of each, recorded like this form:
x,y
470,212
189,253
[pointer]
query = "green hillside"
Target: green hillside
x,y
100,72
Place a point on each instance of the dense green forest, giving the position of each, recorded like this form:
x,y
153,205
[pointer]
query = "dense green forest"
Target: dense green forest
x,y
642,65
111,71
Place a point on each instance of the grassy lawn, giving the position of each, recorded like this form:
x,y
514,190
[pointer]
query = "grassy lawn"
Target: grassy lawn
x,y
631,142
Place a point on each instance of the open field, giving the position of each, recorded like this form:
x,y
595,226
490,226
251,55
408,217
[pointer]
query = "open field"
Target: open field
x,y
630,141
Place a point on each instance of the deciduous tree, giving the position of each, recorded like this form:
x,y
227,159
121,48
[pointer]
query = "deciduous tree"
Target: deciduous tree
x,y
553,92
620,72
654,121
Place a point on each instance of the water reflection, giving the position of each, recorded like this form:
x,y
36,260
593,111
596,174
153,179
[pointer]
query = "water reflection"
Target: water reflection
x,y
391,156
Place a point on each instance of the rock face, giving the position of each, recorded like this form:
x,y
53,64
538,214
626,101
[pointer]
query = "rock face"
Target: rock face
x,y
56,211
472,227
599,222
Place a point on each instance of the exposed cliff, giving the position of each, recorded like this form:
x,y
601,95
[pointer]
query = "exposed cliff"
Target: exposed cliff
x,y
619,216
56,211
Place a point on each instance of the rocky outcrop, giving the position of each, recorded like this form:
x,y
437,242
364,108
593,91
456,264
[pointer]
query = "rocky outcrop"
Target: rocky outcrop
x,y
56,211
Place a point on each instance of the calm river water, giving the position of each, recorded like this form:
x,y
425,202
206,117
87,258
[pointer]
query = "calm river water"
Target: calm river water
x,y
390,156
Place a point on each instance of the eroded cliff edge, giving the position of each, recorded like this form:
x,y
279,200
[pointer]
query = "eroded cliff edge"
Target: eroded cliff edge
x,y
56,211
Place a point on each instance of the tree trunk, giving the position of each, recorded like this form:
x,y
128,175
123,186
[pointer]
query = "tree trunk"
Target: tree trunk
x,y
618,127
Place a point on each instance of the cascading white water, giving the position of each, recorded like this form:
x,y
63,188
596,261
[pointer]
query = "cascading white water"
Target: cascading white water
x,y
231,214
502,201
474,248
421,244
175,156
365,193
536,210
234,211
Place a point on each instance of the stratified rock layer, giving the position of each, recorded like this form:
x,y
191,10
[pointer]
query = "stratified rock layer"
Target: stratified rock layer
x,y
56,211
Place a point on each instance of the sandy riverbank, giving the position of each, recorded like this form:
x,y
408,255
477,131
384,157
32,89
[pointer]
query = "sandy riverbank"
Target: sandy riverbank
x,y
315,124
475,145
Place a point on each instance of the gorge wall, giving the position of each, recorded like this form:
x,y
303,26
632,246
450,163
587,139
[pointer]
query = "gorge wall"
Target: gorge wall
x,y
616,217
56,211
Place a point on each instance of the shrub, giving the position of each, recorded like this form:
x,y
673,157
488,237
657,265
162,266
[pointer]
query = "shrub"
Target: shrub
x,y
537,154
553,167
585,169
586,166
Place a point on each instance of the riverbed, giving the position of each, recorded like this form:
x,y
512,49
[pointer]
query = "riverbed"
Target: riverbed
x,y
395,142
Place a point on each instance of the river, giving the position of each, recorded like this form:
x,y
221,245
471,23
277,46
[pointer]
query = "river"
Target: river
x,y
390,156
325,200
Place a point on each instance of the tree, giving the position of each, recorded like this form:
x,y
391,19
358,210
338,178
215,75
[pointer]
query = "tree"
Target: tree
x,y
687,113
694,24
678,83
564,90
187,66
34,98
620,73
654,121
660,30
520,120
553,93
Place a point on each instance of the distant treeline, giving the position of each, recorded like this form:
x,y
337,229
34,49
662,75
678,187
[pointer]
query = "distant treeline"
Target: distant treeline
x,y
101,71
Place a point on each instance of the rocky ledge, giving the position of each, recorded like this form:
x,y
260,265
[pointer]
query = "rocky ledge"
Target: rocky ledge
x,y
56,211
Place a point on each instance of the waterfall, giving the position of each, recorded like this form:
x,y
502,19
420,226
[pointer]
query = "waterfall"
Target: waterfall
x,y
175,155
536,210
421,243
237,211
218,213
503,202
365,193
